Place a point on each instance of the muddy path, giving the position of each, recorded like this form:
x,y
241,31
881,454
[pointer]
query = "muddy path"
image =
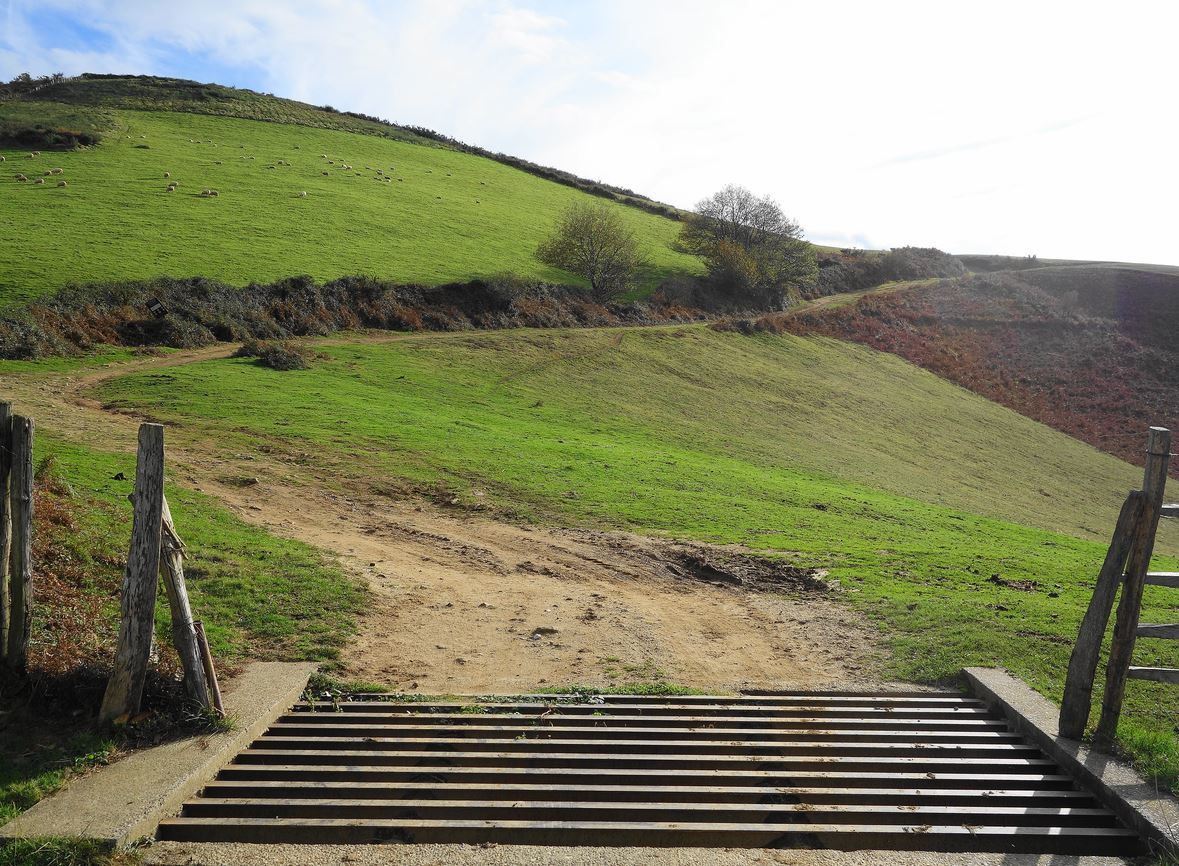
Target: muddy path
x,y
462,603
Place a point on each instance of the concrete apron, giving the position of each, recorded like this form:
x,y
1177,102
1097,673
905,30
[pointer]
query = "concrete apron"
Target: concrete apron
x,y
124,802
1143,808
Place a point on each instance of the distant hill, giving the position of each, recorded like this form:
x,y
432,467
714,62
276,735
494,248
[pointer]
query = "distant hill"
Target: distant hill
x,y
382,200
1092,350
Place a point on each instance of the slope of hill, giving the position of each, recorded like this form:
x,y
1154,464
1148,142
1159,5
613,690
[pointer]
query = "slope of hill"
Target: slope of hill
x,y
1089,350
153,93
375,206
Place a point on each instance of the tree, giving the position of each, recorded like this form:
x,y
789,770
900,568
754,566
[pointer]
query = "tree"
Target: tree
x,y
592,241
754,252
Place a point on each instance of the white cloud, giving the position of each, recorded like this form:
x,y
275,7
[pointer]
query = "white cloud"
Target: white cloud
x,y
1010,127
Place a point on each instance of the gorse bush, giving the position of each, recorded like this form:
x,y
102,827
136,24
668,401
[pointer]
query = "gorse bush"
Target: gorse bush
x,y
855,270
199,311
278,355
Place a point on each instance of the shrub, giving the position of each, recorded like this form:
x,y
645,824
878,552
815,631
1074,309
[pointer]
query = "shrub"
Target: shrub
x,y
278,355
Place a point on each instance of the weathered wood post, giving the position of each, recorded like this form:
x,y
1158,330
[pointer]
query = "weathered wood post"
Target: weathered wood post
x,y
184,635
1082,664
5,520
124,691
1158,457
20,579
210,673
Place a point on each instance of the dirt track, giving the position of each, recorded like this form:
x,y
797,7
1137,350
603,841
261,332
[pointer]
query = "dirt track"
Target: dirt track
x,y
464,604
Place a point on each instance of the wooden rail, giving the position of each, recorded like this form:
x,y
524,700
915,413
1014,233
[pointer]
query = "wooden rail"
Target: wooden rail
x,y
1126,567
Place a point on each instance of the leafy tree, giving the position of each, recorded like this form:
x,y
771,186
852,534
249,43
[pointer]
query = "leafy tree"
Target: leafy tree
x,y
755,254
593,241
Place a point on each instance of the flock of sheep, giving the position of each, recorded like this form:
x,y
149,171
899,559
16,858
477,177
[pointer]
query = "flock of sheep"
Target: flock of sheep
x,y
23,178
380,174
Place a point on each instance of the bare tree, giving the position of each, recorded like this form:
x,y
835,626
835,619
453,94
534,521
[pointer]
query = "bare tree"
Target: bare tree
x,y
593,241
755,253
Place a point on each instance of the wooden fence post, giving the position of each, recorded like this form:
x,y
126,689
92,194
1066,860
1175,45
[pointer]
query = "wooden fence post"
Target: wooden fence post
x,y
20,595
1158,456
1082,664
124,691
5,520
184,635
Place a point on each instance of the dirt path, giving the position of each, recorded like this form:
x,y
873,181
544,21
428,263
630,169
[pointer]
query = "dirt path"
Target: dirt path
x,y
465,604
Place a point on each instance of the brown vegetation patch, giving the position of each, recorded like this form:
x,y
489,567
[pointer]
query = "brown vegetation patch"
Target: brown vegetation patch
x,y
1090,351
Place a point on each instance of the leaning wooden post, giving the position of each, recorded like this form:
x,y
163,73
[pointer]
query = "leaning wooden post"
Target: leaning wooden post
x,y
184,636
1158,457
1082,664
124,691
210,673
5,520
20,595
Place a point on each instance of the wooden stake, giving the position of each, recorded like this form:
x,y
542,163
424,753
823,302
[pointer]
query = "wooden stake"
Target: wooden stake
x,y
124,691
183,633
210,674
1082,665
5,520
1158,456
20,595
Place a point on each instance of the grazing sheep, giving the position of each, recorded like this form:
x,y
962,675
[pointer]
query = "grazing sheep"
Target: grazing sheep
x,y
482,183
169,188
1,159
478,202
62,183
302,195
218,162
324,155
59,171
31,155
39,180
21,178
47,173
214,193
167,174
448,174
325,173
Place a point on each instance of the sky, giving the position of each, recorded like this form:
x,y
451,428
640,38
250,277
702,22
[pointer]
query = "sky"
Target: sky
x,y
1001,127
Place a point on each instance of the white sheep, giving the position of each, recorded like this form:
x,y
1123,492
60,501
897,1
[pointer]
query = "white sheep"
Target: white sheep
x,y
167,174
39,180
169,188
302,195
59,171
1,159
62,183
21,178
325,173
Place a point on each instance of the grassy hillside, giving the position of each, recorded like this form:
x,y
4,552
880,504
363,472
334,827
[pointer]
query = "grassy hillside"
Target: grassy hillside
x,y
1089,350
430,214
833,455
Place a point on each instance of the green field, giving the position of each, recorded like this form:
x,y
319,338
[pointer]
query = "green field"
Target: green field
x,y
444,215
913,493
